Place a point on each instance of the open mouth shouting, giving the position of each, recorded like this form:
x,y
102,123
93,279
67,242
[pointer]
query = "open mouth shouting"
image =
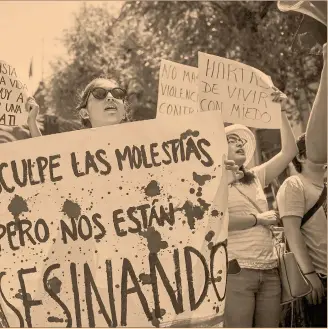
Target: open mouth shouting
x,y
240,151
111,109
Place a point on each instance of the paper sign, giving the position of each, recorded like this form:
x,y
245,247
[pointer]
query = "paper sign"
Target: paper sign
x,y
122,226
13,96
240,92
177,90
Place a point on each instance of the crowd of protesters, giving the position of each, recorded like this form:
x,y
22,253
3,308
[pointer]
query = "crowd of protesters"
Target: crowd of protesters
x,y
253,290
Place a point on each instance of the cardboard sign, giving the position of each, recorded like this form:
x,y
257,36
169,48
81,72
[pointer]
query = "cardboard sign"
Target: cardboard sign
x,y
177,90
240,92
13,96
121,226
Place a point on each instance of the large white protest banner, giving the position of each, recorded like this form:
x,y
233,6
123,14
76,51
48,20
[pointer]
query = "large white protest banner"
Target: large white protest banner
x,y
115,226
177,89
13,96
240,92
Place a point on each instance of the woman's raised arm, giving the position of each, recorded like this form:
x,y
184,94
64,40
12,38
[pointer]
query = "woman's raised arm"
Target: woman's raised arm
x,y
316,131
275,166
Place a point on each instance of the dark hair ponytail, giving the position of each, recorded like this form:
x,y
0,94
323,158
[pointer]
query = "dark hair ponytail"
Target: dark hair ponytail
x,y
248,178
301,145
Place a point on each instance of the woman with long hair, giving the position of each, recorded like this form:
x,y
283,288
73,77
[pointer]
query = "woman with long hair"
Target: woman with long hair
x,y
253,293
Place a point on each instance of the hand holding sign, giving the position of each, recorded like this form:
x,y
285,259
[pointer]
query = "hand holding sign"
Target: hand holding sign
x,y
32,108
233,171
278,96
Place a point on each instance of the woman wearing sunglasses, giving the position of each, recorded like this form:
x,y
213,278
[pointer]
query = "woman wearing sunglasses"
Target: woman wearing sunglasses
x,y
253,292
102,103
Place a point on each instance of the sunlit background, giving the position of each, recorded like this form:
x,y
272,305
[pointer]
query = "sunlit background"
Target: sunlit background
x,y
31,32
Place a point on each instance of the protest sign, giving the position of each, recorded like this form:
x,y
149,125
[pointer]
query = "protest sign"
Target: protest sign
x,y
13,96
115,226
240,92
177,89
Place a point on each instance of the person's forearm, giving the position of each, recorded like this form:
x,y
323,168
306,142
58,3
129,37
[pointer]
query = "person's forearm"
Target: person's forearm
x,y
243,222
316,131
34,129
288,143
298,247
276,165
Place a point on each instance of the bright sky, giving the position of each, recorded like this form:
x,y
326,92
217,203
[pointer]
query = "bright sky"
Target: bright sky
x,y
23,25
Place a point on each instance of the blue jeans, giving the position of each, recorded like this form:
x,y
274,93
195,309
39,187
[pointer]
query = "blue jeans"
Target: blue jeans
x,y
253,299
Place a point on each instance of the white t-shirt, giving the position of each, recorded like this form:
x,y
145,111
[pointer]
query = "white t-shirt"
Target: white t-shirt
x,y
295,197
253,247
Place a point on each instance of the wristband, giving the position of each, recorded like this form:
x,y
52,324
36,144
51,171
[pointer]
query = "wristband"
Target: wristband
x,y
255,219
309,273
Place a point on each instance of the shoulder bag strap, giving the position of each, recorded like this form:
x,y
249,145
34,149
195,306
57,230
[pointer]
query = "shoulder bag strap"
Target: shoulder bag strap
x,y
316,207
248,198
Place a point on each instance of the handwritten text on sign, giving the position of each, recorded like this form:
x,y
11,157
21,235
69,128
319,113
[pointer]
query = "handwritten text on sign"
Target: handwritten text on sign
x,y
122,226
177,90
12,97
240,92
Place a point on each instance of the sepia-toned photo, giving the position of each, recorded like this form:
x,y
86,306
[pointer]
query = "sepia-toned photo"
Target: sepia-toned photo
x,y
163,164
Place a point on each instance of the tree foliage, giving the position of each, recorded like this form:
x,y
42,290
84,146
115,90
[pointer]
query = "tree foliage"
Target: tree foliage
x,y
131,46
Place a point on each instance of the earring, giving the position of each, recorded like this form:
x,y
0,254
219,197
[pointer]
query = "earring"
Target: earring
x,y
84,114
124,119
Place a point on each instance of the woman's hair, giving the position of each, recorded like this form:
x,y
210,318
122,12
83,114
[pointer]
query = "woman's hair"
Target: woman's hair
x,y
84,95
248,178
301,152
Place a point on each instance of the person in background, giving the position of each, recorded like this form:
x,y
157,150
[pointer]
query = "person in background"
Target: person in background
x,y
316,131
103,103
253,294
307,235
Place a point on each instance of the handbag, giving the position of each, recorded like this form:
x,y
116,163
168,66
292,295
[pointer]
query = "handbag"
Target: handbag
x,y
299,290
302,287
293,283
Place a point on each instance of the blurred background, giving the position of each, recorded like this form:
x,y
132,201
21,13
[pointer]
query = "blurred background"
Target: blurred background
x,y
57,47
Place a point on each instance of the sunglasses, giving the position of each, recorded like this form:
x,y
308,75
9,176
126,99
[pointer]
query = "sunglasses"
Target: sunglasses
x,y
101,93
